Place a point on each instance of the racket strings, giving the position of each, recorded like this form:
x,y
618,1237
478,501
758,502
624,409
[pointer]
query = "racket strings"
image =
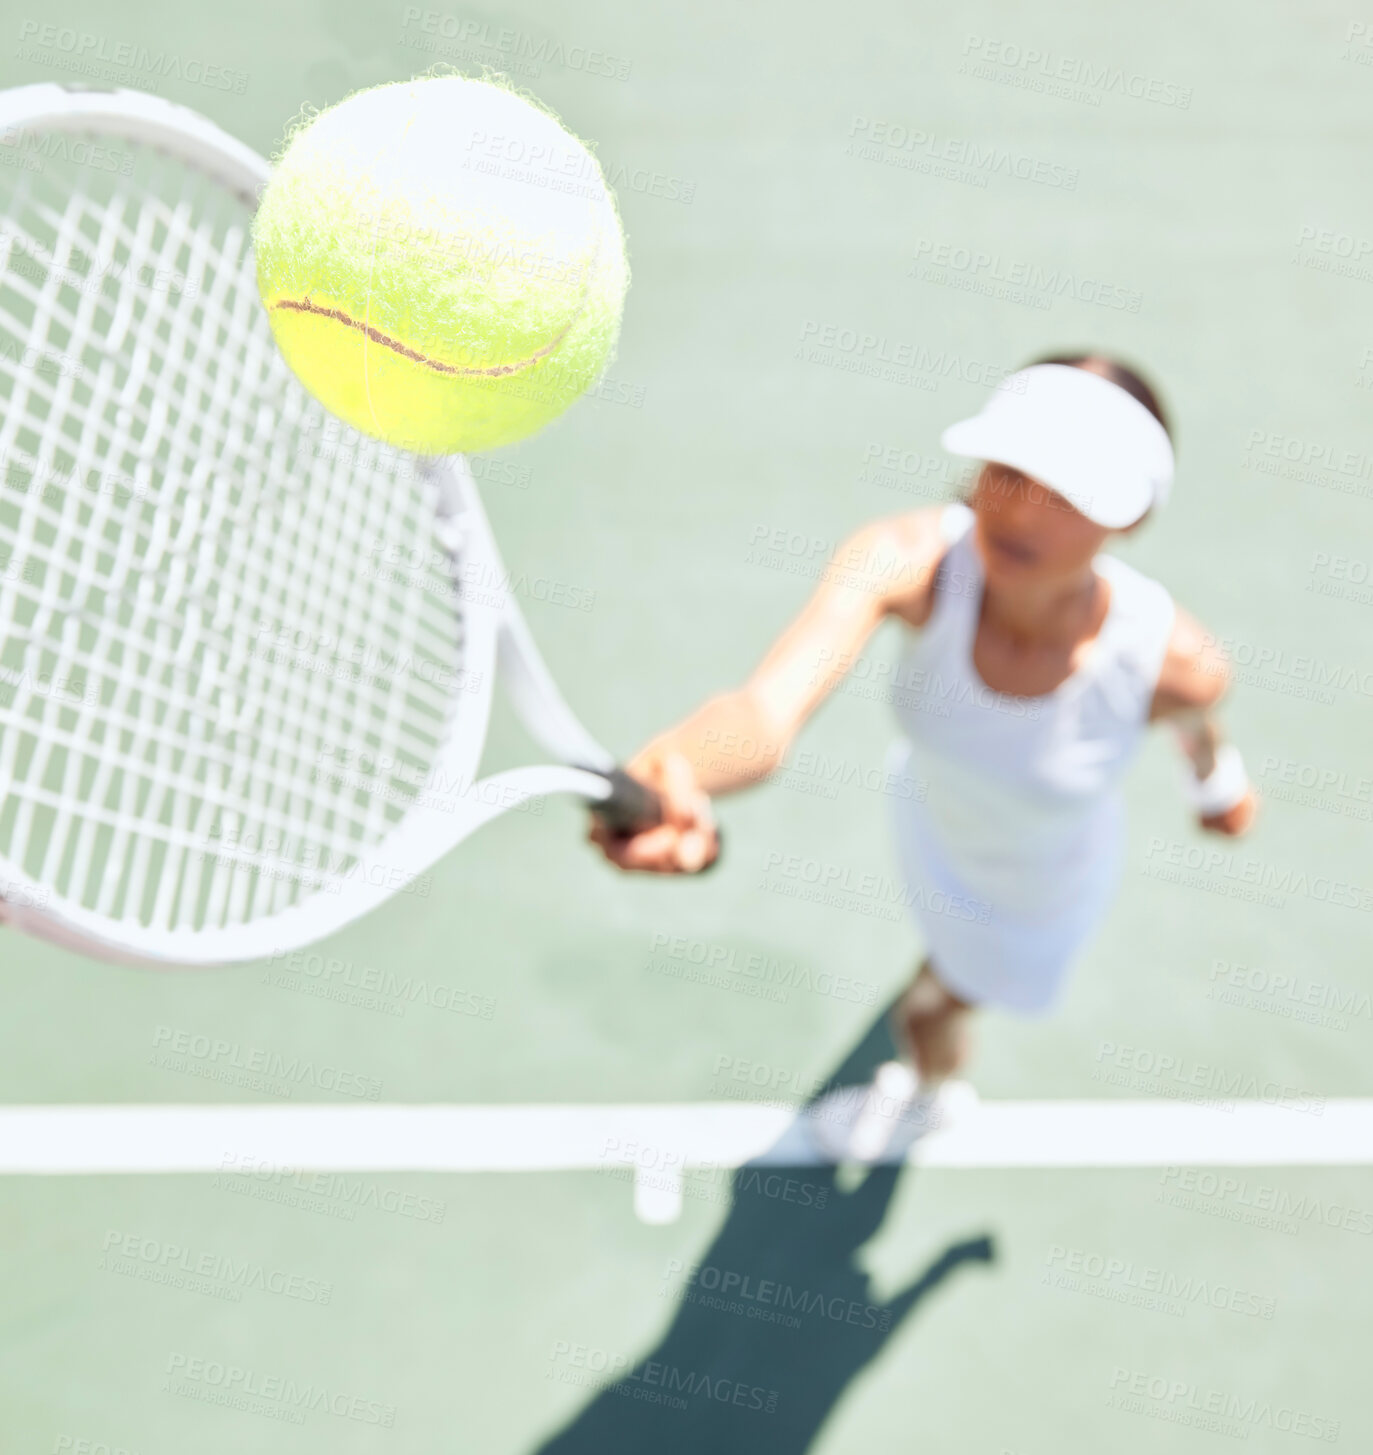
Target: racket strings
x,y
217,687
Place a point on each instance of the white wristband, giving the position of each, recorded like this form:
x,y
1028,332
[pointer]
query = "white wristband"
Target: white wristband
x,y
1225,785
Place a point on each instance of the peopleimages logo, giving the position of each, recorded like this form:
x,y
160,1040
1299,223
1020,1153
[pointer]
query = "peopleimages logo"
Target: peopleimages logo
x,y
901,361
665,1167
864,892
370,987
1309,462
1122,1280
1240,876
37,148
1358,43
1346,578
88,53
916,689
1237,1198
767,1300
912,472
1180,1401
1329,251
1172,1075
717,960
276,1396
1311,1002
1321,786
1072,77
1014,280
221,1275
652,1379
80,1445
956,159
519,52
331,1194
842,561
215,1059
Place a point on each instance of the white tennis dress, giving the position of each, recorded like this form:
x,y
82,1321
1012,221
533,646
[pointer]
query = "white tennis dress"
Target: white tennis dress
x,y
1015,852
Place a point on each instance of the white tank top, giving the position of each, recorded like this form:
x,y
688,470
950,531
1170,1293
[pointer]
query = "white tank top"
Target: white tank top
x,y
1023,804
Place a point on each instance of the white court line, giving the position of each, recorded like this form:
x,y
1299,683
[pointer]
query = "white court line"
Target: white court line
x,y
659,1142
409,1137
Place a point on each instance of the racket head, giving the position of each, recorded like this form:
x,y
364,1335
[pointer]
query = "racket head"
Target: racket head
x,y
242,700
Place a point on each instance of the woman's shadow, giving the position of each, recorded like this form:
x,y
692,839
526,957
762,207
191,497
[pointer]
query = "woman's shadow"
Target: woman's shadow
x,y
775,1319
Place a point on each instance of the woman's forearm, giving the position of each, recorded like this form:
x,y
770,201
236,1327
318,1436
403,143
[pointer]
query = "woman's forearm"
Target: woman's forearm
x,y
738,737
728,741
1199,734
1218,787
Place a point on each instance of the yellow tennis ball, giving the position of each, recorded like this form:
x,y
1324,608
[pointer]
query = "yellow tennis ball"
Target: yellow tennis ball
x,y
442,263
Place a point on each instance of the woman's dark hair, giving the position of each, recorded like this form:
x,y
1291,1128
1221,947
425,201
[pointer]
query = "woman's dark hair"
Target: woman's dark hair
x,y
1118,374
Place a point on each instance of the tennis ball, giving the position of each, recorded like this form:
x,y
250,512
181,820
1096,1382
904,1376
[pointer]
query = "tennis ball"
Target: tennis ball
x,y
442,263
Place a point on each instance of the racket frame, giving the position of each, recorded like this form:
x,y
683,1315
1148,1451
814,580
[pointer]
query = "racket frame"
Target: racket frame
x,y
496,643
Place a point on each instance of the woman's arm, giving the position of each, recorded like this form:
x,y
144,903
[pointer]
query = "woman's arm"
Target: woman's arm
x,y
739,737
1194,677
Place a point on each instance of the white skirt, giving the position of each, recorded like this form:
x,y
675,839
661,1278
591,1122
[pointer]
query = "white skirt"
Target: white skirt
x,y
985,955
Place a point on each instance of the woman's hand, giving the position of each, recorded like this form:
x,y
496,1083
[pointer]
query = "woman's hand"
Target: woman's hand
x,y
1234,821
685,842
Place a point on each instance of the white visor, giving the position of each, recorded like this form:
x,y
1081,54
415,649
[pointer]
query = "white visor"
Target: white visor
x,y
1077,433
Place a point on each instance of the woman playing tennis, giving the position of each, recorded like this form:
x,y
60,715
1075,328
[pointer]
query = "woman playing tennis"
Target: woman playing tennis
x,y
1033,664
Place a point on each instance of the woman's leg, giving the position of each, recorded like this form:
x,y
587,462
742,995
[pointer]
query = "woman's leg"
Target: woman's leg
x,y
900,1105
934,1024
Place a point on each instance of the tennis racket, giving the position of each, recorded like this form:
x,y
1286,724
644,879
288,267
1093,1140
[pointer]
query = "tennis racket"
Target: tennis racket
x,y
246,654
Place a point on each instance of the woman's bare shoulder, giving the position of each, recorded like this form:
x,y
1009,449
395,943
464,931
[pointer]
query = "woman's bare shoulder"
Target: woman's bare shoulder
x,y
915,540
1195,673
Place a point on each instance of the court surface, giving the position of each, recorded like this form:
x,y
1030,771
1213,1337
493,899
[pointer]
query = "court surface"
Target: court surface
x,y
845,224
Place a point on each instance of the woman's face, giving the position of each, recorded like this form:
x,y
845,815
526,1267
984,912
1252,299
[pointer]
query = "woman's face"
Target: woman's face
x,y
1025,531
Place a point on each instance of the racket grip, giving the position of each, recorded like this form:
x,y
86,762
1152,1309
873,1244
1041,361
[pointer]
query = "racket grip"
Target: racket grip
x,y
631,807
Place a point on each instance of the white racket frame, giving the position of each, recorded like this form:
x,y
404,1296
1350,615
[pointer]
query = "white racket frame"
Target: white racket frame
x,y
496,640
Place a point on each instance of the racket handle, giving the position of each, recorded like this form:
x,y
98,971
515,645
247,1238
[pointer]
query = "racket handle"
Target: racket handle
x,y
633,807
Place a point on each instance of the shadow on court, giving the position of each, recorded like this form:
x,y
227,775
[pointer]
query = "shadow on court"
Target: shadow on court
x,y
760,1365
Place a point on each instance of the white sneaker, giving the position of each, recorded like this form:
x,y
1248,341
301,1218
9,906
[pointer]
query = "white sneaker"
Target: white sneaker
x,y
881,1121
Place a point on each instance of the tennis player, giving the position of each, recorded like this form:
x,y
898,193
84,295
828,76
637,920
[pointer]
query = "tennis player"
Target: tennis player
x,y
1034,663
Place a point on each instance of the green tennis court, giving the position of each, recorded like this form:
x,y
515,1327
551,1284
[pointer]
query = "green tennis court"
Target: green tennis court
x,y
845,225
